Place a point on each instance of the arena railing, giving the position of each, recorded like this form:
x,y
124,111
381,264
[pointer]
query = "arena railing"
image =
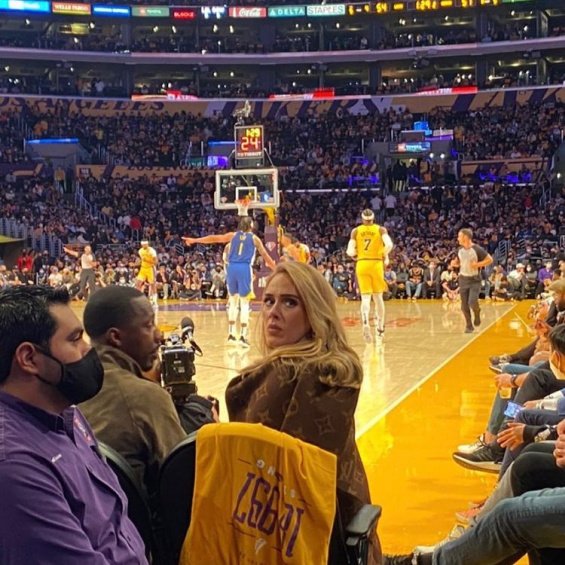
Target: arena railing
x,y
83,203
11,227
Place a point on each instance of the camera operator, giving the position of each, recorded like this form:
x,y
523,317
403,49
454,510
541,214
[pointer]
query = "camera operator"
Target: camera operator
x,y
131,413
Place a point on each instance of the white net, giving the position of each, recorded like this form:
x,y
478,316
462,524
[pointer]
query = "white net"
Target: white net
x,y
243,206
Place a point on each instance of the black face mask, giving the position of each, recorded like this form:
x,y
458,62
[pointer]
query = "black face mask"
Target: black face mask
x,y
81,380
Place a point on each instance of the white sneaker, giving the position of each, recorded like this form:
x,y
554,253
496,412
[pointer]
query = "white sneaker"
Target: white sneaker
x,y
367,336
472,447
243,342
456,532
231,340
380,335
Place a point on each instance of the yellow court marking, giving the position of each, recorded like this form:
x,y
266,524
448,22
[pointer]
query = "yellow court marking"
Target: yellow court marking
x,y
383,412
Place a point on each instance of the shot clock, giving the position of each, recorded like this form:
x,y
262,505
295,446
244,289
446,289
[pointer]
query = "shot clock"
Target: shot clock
x,y
249,145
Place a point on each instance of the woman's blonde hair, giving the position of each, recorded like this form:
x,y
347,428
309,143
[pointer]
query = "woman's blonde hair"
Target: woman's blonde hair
x,y
325,350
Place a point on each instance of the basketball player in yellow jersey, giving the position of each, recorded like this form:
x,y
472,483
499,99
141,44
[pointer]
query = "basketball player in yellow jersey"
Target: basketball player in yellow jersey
x,y
303,252
146,274
293,250
370,245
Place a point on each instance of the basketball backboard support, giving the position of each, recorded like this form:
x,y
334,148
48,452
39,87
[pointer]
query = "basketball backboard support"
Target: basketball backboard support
x,y
260,186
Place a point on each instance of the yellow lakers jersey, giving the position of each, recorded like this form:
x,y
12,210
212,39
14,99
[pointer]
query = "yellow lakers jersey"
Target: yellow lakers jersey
x,y
369,242
303,253
268,498
148,257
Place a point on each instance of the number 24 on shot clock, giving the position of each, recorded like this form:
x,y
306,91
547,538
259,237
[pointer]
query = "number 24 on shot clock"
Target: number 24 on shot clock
x,y
249,141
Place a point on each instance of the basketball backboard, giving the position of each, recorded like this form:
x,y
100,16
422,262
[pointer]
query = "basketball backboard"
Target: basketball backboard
x,y
260,186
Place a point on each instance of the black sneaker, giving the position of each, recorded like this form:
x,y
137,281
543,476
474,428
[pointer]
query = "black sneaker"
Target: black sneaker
x,y
498,359
487,458
477,319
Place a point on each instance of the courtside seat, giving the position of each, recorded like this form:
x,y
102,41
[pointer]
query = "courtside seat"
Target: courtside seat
x,y
176,490
347,545
138,502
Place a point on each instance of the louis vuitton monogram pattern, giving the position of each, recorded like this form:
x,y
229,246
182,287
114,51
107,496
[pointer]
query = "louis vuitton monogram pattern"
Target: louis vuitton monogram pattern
x,y
299,404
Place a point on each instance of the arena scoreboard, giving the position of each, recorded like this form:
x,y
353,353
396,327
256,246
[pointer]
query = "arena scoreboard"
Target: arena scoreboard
x,y
392,6
249,145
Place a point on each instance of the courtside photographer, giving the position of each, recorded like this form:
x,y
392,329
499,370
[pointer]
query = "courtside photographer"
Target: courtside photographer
x,y
132,413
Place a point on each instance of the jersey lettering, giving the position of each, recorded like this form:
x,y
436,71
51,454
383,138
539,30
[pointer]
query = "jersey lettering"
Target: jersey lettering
x,y
242,248
257,507
370,243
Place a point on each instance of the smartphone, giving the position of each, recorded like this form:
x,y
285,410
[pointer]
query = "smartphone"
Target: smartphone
x,y
512,409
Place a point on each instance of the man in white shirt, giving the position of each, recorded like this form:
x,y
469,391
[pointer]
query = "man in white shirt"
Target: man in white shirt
x,y
87,275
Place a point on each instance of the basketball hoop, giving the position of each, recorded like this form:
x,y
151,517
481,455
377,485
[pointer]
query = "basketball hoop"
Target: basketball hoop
x,y
242,206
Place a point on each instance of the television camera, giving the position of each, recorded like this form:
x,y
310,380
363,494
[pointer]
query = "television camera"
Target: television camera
x,y
177,362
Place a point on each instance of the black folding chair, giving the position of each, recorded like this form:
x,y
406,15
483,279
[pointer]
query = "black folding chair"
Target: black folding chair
x,y
138,503
348,545
176,489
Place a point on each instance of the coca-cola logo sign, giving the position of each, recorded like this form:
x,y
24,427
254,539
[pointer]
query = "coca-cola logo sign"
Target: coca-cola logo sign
x,y
245,12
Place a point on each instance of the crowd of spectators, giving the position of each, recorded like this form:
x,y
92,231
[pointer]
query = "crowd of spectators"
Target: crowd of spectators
x,y
415,80
504,132
424,224
316,152
178,40
11,139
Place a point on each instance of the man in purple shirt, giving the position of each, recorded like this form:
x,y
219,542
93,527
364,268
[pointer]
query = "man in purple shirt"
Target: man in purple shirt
x,y
60,503
545,276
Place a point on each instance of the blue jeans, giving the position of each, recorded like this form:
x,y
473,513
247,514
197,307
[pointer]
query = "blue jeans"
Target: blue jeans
x,y
414,289
516,526
518,368
497,417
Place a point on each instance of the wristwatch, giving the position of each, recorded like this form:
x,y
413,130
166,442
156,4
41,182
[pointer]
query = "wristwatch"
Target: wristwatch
x,y
543,435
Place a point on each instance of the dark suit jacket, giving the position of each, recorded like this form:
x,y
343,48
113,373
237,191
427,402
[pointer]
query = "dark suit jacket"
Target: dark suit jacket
x,y
435,276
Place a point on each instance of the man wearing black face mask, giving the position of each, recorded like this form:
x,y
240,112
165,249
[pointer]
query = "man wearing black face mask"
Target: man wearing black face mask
x,y
61,504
